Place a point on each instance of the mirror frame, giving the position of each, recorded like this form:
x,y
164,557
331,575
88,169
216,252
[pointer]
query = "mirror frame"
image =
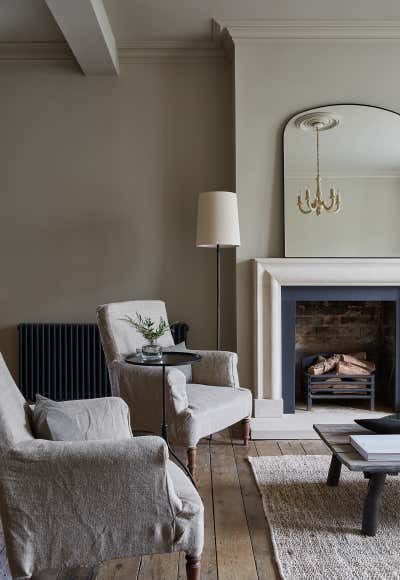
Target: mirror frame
x,y
286,123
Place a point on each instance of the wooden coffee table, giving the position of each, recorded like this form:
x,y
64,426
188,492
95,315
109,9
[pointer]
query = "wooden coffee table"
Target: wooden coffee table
x,y
337,438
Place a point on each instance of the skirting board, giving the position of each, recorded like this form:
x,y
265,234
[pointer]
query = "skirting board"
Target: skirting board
x,y
268,408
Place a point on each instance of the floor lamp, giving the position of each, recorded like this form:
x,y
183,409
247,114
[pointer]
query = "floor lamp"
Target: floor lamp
x,y
218,227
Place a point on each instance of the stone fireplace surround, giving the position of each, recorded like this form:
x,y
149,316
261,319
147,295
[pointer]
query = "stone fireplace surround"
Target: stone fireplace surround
x,y
273,274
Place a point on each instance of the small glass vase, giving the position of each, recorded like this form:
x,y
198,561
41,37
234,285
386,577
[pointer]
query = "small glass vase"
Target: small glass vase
x,y
152,351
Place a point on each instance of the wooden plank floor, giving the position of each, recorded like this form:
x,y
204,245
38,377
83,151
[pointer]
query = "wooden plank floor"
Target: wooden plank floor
x,y
237,540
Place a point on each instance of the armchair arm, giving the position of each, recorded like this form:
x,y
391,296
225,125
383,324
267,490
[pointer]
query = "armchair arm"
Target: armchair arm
x,y
141,388
69,503
217,367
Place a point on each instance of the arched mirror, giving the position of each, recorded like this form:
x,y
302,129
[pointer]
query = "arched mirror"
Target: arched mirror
x,y
342,182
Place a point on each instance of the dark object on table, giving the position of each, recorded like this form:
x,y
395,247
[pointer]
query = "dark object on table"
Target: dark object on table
x,y
179,331
168,359
388,424
328,386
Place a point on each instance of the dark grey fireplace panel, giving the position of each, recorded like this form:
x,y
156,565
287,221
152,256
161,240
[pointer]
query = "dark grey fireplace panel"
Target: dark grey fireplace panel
x,y
293,294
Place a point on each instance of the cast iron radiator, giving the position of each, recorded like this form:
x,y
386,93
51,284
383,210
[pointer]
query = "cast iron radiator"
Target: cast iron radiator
x,y
66,361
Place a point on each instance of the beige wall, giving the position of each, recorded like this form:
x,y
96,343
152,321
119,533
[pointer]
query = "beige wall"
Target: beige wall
x,y
99,182
274,80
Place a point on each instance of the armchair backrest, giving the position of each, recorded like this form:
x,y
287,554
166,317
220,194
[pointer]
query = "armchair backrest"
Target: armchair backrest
x,y
118,337
14,410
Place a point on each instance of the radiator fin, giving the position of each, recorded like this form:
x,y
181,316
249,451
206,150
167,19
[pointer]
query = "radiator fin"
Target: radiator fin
x,y
62,361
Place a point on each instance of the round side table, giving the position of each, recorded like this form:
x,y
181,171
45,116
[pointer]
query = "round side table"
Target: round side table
x,y
168,359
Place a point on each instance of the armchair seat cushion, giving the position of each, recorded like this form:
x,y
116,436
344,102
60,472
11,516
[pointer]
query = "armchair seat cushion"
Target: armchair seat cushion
x,y
212,409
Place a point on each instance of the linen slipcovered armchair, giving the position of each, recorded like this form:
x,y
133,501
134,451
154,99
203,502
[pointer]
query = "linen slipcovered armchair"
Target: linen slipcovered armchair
x,y
68,503
212,401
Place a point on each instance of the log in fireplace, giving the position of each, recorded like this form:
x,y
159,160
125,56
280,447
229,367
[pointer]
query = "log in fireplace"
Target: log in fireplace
x,y
335,383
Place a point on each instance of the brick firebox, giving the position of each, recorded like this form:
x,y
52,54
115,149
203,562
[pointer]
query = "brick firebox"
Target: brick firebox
x,y
349,326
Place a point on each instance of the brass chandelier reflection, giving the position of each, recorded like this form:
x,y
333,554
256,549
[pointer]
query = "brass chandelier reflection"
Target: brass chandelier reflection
x,y
317,122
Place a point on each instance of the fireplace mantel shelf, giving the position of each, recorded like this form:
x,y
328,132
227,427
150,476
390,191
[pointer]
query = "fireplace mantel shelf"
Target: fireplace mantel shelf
x,y
273,273
331,271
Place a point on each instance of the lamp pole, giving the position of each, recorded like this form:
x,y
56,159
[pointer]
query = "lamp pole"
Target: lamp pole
x,y
218,297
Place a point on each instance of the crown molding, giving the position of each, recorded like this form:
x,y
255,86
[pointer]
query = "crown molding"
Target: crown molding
x,y
336,175
169,51
220,48
307,29
35,51
128,52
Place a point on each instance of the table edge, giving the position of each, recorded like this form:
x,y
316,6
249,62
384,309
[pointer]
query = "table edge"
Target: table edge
x,y
368,465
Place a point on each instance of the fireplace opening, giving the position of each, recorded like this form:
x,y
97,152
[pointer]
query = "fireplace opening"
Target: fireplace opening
x,y
348,327
345,319
362,328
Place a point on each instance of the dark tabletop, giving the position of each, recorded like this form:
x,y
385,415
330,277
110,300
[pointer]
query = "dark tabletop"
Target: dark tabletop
x,y
169,359
337,438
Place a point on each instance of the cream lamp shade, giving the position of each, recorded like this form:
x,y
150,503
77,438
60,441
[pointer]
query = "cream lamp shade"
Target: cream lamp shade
x,y
217,219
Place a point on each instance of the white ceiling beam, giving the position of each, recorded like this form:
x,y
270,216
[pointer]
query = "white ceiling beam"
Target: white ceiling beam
x,y
86,28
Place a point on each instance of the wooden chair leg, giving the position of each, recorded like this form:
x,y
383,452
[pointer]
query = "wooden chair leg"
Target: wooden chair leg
x,y
192,451
246,431
193,566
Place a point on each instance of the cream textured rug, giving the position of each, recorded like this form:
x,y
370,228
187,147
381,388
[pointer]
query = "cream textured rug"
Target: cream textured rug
x,y
316,529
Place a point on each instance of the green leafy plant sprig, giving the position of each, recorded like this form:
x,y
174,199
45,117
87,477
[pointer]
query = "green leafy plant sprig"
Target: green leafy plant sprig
x,y
147,328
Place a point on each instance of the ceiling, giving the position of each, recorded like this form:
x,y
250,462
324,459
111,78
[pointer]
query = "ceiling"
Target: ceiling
x,y
30,20
27,20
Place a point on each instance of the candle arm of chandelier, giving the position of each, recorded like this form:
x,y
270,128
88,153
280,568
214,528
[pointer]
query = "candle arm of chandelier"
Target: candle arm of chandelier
x,y
329,206
307,203
337,208
334,201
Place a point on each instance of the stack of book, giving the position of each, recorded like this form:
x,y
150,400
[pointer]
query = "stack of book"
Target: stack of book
x,y
377,447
